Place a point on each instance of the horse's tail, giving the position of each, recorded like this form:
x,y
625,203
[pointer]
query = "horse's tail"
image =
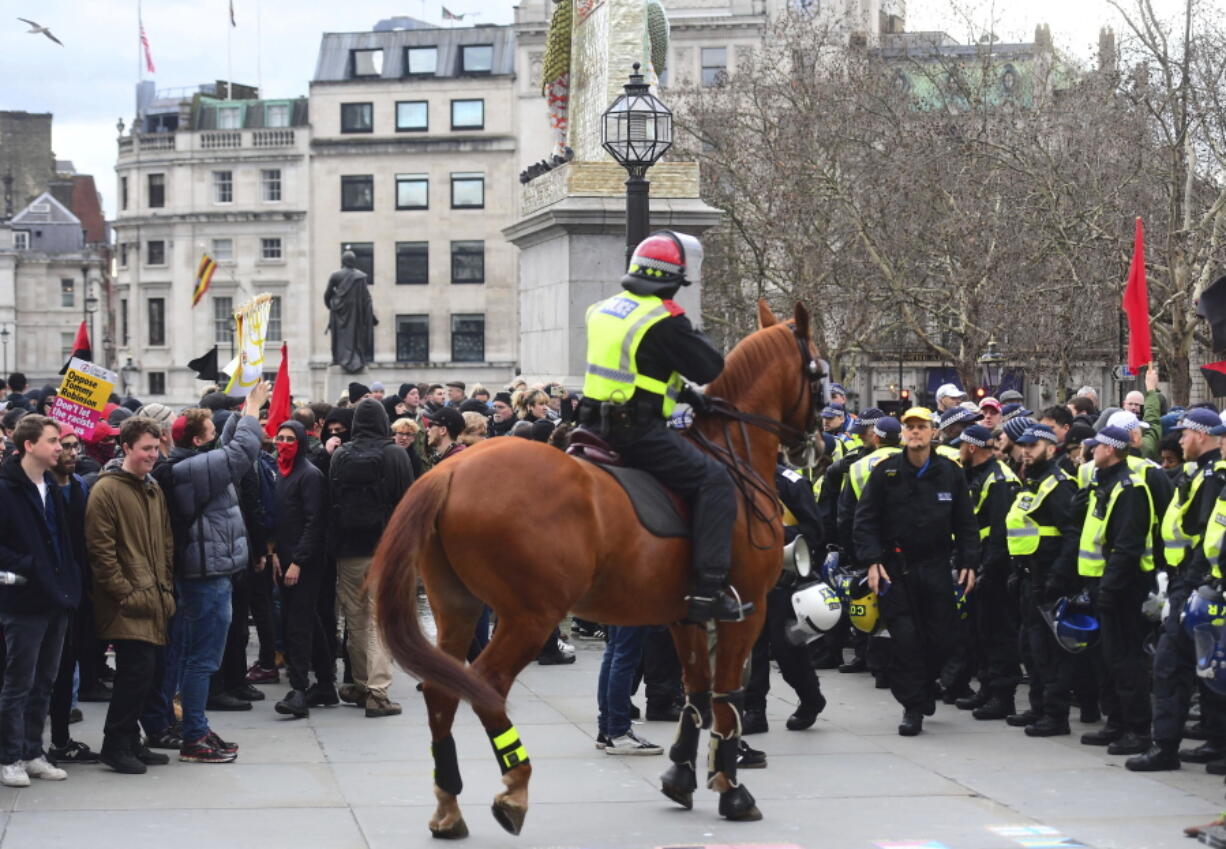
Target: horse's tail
x,y
393,576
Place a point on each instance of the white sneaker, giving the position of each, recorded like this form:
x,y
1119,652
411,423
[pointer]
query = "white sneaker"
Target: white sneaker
x,y
565,647
14,775
632,744
40,767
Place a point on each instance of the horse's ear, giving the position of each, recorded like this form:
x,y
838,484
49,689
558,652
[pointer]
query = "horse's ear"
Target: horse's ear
x,y
766,318
801,317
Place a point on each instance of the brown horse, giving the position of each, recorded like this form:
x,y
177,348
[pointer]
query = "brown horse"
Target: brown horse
x,y
461,528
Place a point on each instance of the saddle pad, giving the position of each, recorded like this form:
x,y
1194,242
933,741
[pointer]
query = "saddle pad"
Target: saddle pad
x,y
655,506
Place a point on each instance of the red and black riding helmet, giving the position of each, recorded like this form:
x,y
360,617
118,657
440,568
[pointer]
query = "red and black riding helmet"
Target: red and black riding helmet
x,y
665,260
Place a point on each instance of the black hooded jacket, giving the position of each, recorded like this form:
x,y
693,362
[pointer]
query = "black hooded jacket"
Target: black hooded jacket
x,y
344,415
302,501
371,430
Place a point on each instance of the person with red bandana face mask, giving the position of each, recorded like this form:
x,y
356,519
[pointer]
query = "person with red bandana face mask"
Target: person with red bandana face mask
x,y
298,564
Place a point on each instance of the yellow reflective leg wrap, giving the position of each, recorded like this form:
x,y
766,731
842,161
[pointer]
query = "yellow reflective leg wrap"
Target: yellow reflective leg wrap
x,y
508,749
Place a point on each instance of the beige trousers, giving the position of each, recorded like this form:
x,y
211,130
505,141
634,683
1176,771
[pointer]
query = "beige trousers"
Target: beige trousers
x,y
368,658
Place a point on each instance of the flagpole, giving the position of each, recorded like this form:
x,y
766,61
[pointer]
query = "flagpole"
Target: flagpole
x,y
140,25
259,65
229,66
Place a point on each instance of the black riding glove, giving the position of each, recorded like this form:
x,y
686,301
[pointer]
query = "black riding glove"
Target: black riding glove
x,y
698,401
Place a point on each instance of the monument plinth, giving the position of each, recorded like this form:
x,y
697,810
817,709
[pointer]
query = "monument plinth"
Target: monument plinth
x,y
571,232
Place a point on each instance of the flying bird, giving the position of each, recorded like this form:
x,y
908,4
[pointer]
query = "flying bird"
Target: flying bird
x,y
35,29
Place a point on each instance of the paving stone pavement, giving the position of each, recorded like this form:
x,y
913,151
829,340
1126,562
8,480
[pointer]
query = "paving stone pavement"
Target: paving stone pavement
x,y
340,781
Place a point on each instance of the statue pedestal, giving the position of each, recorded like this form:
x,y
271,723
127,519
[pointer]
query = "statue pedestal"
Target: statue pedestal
x,y
571,236
337,380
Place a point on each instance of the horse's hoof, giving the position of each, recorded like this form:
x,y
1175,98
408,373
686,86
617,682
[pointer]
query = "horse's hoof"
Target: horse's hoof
x,y
738,805
455,831
678,783
509,817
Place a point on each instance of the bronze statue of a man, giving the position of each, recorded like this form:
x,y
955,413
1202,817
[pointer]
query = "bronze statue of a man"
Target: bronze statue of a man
x,y
351,316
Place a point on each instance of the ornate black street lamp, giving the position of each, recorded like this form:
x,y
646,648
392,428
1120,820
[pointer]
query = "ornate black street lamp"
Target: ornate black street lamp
x,y
636,130
992,361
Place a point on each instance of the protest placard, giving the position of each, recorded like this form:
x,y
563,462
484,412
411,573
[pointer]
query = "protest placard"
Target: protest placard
x,y
82,396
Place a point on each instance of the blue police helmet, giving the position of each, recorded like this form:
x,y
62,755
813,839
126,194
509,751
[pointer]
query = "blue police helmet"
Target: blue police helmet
x,y
1203,607
1210,646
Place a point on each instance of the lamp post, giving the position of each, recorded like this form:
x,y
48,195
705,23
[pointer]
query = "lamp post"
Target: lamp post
x,y
992,362
4,341
89,304
636,130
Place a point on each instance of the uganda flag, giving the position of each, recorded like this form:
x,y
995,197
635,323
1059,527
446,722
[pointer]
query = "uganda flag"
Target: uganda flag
x,y
204,275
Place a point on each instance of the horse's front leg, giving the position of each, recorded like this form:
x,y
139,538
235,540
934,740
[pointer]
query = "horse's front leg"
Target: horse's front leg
x,y
680,780
735,641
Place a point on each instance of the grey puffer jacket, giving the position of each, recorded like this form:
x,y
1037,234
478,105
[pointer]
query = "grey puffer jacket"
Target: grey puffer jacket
x,y
204,501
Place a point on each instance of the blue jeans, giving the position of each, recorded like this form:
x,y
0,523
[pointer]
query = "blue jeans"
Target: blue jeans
x,y
159,711
616,682
33,642
205,620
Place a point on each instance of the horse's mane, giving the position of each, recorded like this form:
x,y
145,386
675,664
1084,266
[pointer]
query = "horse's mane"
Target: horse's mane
x,y
750,360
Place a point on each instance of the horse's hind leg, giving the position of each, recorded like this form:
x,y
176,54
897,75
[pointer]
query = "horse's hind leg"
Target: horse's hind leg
x,y
680,780
516,643
456,611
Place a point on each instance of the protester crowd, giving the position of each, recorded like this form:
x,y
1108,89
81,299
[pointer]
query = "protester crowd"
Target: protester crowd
x,y
1033,556
164,535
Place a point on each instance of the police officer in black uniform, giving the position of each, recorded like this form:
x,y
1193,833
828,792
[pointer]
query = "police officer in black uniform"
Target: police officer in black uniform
x,y
836,474
797,496
916,516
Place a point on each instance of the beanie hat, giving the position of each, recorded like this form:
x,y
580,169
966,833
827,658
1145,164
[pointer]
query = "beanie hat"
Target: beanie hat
x,y
356,391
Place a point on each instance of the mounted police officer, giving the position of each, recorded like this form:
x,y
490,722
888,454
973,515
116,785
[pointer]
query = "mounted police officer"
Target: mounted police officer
x,y
639,345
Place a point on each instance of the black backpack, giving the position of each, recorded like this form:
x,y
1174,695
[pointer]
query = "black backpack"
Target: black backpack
x,y
180,526
355,479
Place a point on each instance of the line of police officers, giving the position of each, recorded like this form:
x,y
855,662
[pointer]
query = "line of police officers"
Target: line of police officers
x,y
948,516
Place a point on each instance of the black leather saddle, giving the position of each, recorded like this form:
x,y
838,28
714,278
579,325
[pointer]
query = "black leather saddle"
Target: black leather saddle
x,y
661,511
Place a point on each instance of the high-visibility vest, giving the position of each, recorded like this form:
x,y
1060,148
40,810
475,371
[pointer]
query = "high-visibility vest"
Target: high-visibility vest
x,y
1091,557
949,453
1175,542
1085,474
857,476
1023,532
1215,534
1000,475
615,329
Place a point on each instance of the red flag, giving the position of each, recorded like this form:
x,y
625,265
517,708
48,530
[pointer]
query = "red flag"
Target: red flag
x,y
1136,305
144,42
80,347
278,405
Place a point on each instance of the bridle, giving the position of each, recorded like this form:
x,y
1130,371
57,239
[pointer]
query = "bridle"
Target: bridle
x,y
744,477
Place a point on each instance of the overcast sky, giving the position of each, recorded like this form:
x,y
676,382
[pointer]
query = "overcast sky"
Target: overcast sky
x,y
89,83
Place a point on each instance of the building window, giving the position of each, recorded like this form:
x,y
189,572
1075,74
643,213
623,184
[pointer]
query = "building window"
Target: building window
x,y
229,117
420,60
157,383
357,118
156,252
714,66
223,250
157,190
157,321
467,338
21,240
412,191
366,63
412,338
276,115
412,263
223,187
272,333
66,343
468,114
270,184
357,193
412,116
123,192
123,254
365,253
68,288
468,262
223,322
476,58
270,248
467,190
123,320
